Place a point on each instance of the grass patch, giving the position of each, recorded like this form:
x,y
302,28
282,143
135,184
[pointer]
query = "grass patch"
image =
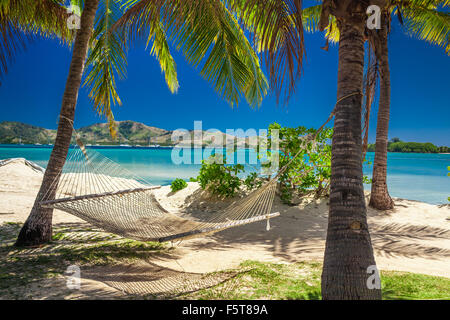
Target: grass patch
x,y
110,252
411,286
20,267
301,281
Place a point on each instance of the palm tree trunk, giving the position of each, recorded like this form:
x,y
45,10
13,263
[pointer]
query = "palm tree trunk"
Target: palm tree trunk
x,y
348,251
38,227
379,197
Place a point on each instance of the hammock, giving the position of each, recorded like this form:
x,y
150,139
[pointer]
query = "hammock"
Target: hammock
x,y
103,193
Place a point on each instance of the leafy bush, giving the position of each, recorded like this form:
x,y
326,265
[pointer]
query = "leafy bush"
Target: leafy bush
x,y
252,181
219,178
396,145
310,171
178,184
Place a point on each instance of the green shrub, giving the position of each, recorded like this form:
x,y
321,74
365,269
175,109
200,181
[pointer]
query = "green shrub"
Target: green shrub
x,y
219,178
310,171
252,181
178,184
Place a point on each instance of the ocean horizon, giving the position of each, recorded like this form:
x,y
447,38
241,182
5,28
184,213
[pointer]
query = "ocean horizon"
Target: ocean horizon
x,y
413,176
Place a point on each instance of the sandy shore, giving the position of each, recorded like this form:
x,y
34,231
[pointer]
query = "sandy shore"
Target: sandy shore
x,y
413,237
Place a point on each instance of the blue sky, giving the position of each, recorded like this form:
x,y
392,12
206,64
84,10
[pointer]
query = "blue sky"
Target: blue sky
x,y
32,92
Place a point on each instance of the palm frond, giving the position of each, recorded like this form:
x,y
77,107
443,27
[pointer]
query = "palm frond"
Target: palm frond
x,y
432,4
371,77
427,24
208,35
106,59
160,49
21,20
143,20
311,18
12,40
277,28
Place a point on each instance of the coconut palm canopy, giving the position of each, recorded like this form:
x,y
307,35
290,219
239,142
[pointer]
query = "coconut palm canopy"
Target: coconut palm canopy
x,y
21,20
209,35
206,32
427,20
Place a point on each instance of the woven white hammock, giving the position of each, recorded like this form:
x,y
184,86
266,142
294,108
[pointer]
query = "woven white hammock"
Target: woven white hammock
x,y
101,192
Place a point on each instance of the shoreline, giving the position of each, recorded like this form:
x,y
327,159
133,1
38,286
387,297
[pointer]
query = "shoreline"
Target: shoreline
x,y
42,166
114,146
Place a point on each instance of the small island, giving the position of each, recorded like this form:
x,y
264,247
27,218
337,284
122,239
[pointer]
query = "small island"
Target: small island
x,y
396,145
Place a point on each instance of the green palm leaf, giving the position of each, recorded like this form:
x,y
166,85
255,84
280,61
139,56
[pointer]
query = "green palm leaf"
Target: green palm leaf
x,y
106,59
427,23
209,37
277,29
21,20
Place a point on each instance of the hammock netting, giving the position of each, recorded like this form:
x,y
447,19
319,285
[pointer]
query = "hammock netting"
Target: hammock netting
x,y
103,193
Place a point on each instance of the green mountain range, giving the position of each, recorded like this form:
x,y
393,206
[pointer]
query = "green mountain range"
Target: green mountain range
x,y
128,132
135,133
396,145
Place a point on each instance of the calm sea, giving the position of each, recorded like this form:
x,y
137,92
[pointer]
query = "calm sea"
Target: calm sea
x,y
413,176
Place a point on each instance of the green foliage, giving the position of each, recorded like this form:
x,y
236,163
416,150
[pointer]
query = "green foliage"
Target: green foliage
x,y
23,21
106,59
219,178
178,184
310,171
209,36
444,149
367,180
16,132
396,145
412,147
301,280
252,181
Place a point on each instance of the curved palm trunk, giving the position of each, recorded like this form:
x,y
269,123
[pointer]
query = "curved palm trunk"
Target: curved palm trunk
x,y
348,251
38,227
379,197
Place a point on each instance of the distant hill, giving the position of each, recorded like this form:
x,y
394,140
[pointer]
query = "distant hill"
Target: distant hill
x,y
17,132
396,145
128,132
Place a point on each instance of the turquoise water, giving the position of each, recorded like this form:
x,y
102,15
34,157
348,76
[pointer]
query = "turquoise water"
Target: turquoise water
x,y
413,176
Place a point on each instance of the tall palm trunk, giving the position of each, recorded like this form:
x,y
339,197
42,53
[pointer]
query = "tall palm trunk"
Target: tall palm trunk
x,y
38,227
380,198
348,251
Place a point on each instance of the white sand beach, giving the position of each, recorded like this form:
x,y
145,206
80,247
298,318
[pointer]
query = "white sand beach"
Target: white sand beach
x,y
413,237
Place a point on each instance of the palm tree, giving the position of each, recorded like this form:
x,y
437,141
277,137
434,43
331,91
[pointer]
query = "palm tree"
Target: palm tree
x,y
348,250
201,29
38,226
423,19
420,18
278,32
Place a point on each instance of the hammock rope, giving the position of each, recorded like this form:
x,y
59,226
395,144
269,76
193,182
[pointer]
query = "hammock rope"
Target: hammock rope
x,y
100,191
